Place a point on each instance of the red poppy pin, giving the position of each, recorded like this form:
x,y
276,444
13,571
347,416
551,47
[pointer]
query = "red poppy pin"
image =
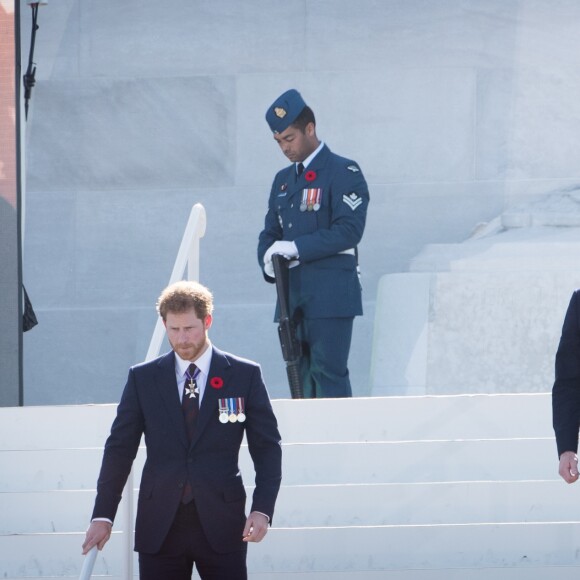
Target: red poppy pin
x,y
216,382
310,175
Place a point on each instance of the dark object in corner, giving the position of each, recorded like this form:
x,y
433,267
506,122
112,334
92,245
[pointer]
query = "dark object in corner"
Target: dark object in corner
x,y
29,319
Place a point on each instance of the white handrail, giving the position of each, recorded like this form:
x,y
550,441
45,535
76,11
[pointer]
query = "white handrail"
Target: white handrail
x,y
187,257
88,564
128,519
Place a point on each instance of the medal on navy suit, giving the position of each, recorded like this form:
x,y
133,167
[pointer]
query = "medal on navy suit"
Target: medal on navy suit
x,y
150,405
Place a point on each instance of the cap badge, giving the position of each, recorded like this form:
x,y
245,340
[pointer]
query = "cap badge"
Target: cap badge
x,y
280,112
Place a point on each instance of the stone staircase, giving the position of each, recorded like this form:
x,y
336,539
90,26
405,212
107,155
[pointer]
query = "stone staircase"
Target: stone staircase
x,y
398,488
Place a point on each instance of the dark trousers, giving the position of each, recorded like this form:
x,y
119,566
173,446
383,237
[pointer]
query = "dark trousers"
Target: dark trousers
x,y
187,545
326,344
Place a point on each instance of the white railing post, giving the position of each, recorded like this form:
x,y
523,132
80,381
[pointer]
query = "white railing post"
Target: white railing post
x,y
193,254
128,494
187,257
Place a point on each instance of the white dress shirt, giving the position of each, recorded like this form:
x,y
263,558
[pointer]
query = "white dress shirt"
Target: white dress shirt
x,y
202,363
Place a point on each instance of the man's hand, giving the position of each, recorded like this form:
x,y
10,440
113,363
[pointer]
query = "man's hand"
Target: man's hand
x,y
97,535
568,468
285,248
256,527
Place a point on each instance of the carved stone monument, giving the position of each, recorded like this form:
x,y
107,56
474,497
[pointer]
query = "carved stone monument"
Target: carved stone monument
x,y
485,315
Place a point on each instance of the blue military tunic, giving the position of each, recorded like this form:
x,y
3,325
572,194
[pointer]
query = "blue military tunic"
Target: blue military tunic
x,y
323,212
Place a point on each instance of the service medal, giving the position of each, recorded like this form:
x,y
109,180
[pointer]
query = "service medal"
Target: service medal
x,y
232,418
241,414
223,411
305,203
311,198
316,195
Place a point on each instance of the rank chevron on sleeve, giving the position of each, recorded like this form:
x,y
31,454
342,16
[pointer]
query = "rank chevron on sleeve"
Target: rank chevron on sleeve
x,y
352,200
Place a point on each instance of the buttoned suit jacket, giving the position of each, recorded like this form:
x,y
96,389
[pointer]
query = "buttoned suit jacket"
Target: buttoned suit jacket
x,y
566,390
326,282
150,406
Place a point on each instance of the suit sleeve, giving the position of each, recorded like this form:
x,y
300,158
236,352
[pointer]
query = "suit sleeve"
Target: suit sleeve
x,y
566,390
264,445
120,451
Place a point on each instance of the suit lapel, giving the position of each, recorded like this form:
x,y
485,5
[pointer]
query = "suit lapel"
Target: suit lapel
x,y
220,368
166,383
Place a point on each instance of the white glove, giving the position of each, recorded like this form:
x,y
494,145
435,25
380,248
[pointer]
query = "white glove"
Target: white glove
x,y
287,249
269,269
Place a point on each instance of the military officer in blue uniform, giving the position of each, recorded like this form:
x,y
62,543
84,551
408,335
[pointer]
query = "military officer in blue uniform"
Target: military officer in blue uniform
x,y
316,218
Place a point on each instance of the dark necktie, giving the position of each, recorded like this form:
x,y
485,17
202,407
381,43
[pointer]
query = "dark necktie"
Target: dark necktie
x,y
190,406
190,401
300,168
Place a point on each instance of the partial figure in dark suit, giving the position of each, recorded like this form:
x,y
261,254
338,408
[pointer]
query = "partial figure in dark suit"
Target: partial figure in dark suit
x,y
193,405
566,392
316,217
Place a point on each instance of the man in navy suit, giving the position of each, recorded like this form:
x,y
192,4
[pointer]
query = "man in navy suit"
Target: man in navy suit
x,y
193,405
566,392
316,217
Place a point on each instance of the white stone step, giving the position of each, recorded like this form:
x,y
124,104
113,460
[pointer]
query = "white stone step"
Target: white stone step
x,y
80,426
393,418
425,503
418,461
536,573
409,418
45,512
421,488
318,463
382,548
335,505
419,547
540,573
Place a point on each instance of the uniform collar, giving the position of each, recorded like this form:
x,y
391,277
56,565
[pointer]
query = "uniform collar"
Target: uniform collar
x,y
309,159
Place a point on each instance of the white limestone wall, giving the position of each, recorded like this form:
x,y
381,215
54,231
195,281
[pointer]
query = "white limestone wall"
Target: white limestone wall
x,y
455,109
468,332
482,316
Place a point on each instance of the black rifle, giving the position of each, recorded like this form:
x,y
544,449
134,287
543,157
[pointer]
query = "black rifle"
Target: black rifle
x,y
291,348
